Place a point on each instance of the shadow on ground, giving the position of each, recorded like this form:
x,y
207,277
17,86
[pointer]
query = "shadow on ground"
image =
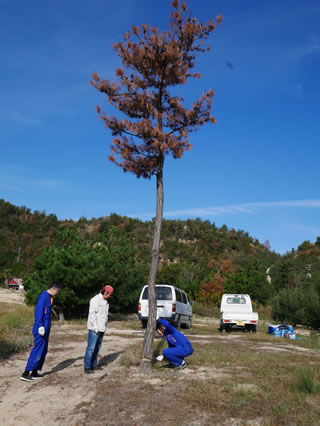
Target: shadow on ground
x,y
62,365
109,358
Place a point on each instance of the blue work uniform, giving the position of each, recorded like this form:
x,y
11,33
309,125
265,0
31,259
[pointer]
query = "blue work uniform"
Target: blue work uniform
x,y
179,345
42,318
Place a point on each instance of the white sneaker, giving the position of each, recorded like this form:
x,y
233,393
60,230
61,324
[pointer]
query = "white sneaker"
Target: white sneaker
x,y
160,358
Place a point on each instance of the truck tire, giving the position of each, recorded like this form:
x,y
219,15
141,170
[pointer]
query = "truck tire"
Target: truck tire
x,y
188,324
144,323
178,323
222,328
253,329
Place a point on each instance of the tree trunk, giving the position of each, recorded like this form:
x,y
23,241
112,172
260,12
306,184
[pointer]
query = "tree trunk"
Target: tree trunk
x,y
147,350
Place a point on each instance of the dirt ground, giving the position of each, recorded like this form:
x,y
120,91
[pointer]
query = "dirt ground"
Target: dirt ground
x,y
11,296
53,400
114,396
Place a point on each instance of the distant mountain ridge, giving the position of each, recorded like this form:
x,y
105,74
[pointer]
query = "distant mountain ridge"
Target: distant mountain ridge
x,y
25,234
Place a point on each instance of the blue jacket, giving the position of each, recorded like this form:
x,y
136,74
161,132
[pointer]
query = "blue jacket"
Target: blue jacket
x,y
42,313
172,335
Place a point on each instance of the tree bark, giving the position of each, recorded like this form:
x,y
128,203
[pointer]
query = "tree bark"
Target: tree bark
x,y
147,350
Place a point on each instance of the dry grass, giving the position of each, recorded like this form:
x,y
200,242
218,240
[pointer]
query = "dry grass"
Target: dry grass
x,y
205,310
258,384
264,311
203,329
236,378
132,356
15,328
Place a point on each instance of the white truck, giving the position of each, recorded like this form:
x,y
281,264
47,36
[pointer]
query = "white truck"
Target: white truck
x,y
236,312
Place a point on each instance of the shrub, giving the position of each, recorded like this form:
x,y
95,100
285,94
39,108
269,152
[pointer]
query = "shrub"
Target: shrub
x,y
297,306
205,309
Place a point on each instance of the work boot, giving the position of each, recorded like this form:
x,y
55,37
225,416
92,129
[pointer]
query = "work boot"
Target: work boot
x,y
88,371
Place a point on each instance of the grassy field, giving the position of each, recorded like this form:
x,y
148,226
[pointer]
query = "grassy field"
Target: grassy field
x,y
236,378
253,382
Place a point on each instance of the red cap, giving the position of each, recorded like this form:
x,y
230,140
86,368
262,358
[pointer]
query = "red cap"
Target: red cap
x,y
108,289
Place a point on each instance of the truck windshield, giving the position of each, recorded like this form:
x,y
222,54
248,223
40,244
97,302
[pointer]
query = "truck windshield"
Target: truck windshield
x,y
236,300
163,293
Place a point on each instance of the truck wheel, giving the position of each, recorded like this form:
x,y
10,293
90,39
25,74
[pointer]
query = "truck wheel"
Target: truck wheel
x,y
223,328
144,323
253,329
178,323
189,324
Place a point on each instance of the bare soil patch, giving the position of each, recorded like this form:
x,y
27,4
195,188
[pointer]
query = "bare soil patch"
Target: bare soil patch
x,y
11,296
56,398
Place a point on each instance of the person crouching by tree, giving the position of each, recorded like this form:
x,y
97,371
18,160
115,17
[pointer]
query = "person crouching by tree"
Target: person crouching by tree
x,y
41,331
97,322
179,345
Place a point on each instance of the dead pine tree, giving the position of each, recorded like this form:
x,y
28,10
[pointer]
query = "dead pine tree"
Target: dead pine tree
x,y
153,123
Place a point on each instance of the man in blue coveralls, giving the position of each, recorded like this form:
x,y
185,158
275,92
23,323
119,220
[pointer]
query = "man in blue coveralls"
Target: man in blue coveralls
x,y
41,332
179,345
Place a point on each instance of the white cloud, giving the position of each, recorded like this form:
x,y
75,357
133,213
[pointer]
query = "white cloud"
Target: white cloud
x,y
17,179
19,119
246,208
299,53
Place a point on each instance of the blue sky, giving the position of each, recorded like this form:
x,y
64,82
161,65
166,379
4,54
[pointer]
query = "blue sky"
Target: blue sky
x,y
256,169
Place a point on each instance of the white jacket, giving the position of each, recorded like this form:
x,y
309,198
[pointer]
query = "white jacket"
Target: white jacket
x,y
98,313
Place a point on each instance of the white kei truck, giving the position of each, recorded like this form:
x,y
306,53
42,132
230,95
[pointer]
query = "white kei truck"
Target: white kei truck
x,y
236,312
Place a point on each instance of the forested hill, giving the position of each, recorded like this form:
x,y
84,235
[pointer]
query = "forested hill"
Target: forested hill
x,y
299,267
197,256
24,235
